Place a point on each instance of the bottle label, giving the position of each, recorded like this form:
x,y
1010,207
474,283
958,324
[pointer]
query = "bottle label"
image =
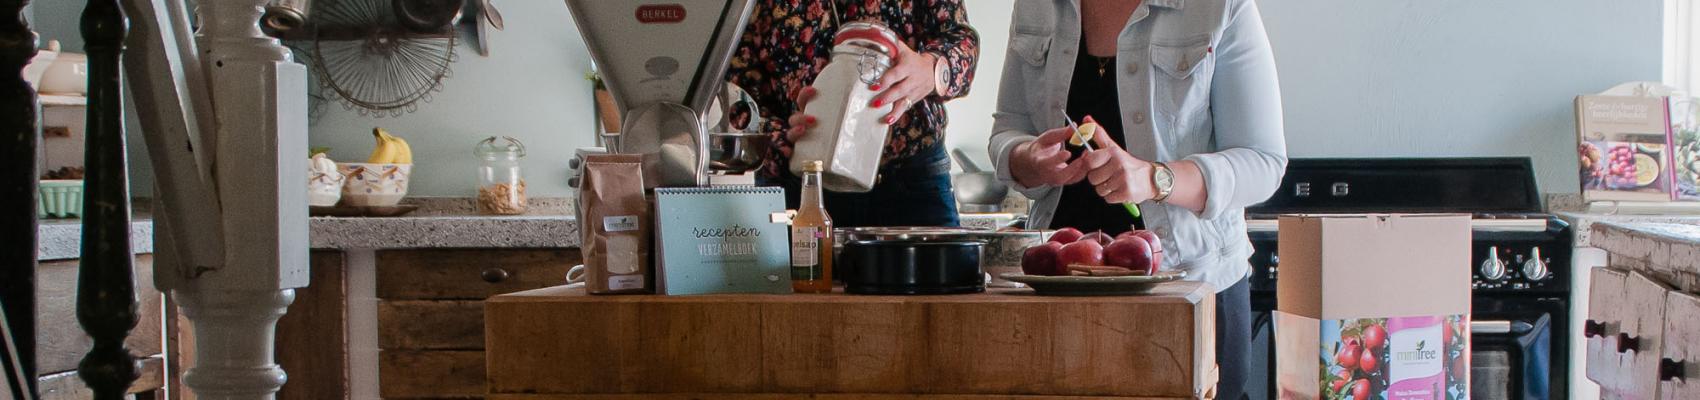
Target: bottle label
x,y
805,253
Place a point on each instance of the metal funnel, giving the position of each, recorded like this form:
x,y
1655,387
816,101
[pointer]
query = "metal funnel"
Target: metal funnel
x,y
663,61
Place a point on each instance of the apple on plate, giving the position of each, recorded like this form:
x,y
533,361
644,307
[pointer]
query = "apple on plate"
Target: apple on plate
x,y
1131,252
1042,260
1066,235
1082,252
1102,238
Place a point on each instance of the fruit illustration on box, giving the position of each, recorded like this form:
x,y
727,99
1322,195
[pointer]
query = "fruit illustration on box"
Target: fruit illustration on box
x,y
1357,367
1071,252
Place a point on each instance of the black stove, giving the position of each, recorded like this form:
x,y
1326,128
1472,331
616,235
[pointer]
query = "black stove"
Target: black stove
x,y
1520,258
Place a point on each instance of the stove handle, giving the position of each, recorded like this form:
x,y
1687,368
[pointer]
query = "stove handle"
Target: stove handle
x,y
1500,327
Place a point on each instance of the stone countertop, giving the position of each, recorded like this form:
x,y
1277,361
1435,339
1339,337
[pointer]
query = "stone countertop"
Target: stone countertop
x,y
1582,223
1668,252
61,239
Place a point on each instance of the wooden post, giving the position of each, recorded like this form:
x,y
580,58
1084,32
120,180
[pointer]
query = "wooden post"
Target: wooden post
x,y
106,280
19,142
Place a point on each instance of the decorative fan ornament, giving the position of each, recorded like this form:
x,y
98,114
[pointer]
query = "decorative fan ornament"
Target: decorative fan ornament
x,y
374,61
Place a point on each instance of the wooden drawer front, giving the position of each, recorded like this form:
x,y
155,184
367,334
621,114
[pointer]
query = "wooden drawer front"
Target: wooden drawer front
x,y
60,341
431,325
470,274
317,320
1606,308
1645,326
1679,375
409,374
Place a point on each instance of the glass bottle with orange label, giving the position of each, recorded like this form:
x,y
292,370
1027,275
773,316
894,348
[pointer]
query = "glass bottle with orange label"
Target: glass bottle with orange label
x,y
811,237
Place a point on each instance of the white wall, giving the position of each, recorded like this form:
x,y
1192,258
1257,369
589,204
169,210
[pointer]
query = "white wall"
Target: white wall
x,y
1411,78
531,87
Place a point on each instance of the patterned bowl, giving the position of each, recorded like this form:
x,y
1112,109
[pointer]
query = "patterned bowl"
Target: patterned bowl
x,y
368,185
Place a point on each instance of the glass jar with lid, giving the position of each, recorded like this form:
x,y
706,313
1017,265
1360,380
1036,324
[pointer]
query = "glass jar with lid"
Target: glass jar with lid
x,y
501,187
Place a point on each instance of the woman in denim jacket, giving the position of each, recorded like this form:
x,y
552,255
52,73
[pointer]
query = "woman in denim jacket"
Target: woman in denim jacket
x,y
1189,109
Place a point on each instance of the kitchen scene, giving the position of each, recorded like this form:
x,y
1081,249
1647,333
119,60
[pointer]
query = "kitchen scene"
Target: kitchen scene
x,y
880,199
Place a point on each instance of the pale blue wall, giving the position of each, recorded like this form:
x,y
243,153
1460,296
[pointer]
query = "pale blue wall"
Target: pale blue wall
x,y
1455,77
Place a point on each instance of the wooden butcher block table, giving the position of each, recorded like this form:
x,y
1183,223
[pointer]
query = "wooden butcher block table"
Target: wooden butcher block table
x,y
560,343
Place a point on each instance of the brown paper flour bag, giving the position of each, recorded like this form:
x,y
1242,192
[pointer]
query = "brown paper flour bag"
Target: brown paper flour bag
x,y
615,222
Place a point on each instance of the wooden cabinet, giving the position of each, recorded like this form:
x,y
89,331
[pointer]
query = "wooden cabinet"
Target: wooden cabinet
x,y
1643,335
61,343
1605,319
1679,367
431,314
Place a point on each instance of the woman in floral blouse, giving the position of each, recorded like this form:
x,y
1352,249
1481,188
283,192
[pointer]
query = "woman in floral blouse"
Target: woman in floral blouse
x,y
788,42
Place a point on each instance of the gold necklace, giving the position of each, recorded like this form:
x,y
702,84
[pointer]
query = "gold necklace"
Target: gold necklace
x,y
1102,63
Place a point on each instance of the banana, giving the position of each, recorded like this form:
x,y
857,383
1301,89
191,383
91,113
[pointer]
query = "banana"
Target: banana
x,y
390,149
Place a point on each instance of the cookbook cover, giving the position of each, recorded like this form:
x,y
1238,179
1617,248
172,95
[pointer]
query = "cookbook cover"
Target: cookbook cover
x,y
721,240
1621,148
1685,146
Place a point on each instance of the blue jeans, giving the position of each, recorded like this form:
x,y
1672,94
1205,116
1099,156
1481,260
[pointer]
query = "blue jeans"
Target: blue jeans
x,y
912,192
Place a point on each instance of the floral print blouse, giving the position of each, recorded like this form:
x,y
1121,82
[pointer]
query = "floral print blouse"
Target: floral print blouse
x,y
788,42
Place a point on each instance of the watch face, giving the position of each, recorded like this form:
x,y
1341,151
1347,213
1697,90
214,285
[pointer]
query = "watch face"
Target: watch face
x,y
1164,177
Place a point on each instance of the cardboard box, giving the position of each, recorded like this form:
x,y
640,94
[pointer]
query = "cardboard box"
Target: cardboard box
x,y
1378,304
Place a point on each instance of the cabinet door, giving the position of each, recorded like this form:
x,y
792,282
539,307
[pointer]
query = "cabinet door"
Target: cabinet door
x,y
1605,312
1680,366
1643,334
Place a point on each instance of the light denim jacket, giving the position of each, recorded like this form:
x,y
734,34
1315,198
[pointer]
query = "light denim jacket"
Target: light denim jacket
x,y
1197,82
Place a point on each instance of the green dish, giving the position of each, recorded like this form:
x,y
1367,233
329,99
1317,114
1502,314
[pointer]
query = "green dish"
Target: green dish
x,y
60,198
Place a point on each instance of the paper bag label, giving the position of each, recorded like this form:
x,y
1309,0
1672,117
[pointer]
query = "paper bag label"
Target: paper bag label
x,y
625,282
620,223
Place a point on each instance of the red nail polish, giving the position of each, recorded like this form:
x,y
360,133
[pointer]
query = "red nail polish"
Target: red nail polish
x,y
877,103
811,119
875,86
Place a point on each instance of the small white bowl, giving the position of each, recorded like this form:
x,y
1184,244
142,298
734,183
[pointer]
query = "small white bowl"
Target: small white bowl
x,y
368,185
69,74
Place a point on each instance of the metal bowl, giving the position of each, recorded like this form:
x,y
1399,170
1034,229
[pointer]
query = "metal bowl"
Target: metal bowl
x,y
736,152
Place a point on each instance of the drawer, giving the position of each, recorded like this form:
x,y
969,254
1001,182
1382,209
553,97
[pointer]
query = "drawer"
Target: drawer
x,y
1643,335
469,274
410,374
1603,364
430,325
1679,367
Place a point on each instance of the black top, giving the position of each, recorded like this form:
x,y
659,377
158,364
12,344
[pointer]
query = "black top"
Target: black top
x,y
1094,94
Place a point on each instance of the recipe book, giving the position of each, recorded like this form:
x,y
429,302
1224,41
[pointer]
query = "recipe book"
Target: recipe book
x,y
721,240
1622,148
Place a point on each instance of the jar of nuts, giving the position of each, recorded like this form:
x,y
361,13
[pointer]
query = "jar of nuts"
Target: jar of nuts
x,y
501,188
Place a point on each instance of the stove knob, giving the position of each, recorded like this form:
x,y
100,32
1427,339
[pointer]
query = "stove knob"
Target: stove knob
x,y
1535,269
1492,268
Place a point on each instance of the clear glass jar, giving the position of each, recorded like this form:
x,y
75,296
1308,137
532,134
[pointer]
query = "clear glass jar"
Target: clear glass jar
x,y
501,187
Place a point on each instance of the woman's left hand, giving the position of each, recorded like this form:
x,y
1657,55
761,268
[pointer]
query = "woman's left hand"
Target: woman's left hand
x,y
911,80
1118,176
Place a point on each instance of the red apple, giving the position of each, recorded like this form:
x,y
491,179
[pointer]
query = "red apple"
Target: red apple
x,y
1084,252
1041,259
1360,389
1066,235
1130,252
1368,360
1348,356
1375,336
1102,238
1150,237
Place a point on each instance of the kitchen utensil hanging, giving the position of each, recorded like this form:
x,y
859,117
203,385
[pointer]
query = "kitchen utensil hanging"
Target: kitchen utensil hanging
x,y
379,57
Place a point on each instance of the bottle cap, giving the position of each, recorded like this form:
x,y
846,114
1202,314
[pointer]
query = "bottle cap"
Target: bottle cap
x,y
814,166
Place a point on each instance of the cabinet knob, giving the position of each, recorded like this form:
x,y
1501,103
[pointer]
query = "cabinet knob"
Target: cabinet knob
x,y
1626,343
1593,329
1671,370
494,275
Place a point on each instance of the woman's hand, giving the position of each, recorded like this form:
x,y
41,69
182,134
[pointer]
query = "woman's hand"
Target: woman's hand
x,y
1118,176
912,79
799,122
1044,161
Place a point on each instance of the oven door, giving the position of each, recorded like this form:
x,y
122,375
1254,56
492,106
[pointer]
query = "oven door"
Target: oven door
x,y
1515,353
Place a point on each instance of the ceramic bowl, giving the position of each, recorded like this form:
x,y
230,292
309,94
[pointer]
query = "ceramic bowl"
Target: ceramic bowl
x,y
324,189
68,75
38,67
368,185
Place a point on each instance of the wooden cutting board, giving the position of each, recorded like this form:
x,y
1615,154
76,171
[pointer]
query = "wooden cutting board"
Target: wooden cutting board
x,y
560,343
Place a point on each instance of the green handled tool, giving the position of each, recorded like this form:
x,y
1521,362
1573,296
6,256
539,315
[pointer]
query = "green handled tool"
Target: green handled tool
x,y
1132,209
